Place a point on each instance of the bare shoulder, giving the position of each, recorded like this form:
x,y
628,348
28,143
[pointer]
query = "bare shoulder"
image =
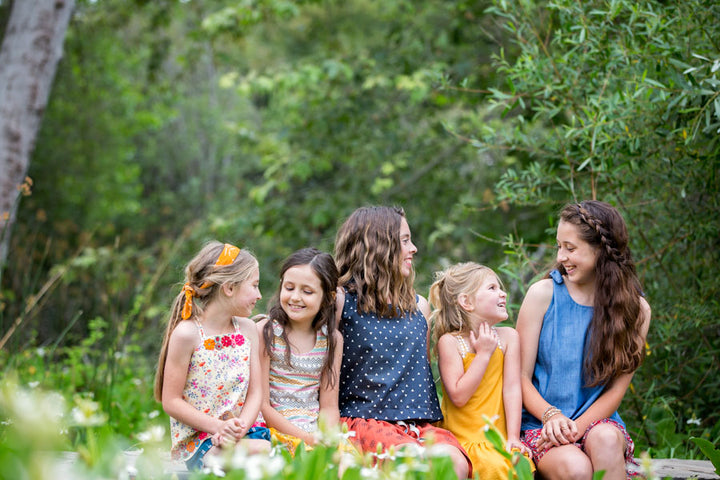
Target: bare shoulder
x,y
424,306
186,336
540,291
339,303
447,342
186,330
261,322
508,335
646,313
247,327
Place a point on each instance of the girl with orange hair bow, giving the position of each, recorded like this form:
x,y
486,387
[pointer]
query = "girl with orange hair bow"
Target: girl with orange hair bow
x,y
208,376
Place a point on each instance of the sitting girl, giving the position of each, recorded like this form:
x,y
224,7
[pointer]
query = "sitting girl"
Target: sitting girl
x,y
209,370
479,364
302,350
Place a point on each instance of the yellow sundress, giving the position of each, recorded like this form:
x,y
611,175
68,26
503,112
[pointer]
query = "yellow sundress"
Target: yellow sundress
x,y
466,422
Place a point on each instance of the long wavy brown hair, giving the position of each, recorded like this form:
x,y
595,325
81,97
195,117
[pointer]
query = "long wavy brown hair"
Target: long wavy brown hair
x,y
367,254
615,344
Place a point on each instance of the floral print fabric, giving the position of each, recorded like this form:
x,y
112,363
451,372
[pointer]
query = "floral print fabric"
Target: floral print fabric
x,y
217,383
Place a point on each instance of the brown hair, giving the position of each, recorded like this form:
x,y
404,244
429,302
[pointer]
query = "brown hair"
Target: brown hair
x,y
201,272
462,278
615,338
367,253
323,266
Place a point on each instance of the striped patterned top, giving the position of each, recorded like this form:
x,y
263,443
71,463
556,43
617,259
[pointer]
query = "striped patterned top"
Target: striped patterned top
x,y
295,388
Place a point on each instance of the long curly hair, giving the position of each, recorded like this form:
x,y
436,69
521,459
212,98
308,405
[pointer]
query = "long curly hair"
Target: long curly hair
x,y
324,268
367,253
615,345
205,279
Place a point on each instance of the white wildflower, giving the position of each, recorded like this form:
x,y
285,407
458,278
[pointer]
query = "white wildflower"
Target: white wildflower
x,y
87,413
155,434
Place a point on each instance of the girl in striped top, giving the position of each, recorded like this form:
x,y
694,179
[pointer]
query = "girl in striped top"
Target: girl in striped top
x,y
301,349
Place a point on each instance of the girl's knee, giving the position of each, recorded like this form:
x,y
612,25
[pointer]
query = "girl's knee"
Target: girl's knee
x,y
604,440
254,446
565,463
460,462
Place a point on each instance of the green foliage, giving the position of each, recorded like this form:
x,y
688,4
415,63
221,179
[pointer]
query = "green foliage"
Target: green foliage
x,y
603,101
709,450
265,122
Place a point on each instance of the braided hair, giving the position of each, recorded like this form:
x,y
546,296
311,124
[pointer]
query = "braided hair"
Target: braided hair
x,y
615,344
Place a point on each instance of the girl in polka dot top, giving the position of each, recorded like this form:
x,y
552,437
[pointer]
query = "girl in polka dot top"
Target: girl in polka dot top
x,y
387,392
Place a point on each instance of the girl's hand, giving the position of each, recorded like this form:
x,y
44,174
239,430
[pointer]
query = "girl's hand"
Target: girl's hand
x,y
513,445
558,430
230,431
485,341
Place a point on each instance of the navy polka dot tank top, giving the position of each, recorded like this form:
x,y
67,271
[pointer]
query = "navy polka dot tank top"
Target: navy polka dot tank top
x,y
385,373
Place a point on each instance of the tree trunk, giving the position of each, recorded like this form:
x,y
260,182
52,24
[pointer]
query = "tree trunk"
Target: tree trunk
x,y
31,49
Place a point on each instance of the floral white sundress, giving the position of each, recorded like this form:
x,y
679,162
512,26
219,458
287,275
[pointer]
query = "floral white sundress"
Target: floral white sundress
x,y
217,384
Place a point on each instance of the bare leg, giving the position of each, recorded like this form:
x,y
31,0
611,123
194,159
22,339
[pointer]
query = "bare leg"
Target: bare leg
x,y
254,445
460,463
566,462
605,445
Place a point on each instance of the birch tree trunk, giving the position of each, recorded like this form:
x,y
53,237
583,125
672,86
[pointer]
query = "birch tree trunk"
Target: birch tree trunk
x,y
31,49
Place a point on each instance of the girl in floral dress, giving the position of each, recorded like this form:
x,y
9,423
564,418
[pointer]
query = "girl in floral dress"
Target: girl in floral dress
x,y
208,371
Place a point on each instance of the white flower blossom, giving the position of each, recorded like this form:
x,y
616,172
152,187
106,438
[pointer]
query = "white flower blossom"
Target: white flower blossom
x,y
155,434
87,413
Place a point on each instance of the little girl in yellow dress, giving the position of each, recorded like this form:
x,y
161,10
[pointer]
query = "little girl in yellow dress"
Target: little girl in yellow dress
x,y
479,364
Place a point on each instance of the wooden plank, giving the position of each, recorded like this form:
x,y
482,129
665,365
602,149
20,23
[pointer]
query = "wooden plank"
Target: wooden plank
x,y
683,469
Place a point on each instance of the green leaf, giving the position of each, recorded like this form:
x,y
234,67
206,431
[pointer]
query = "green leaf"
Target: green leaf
x,y
709,450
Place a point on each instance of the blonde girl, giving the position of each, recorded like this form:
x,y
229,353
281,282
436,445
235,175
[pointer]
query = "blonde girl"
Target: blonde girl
x,y
387,393
301,349
582,336
479,363
209,370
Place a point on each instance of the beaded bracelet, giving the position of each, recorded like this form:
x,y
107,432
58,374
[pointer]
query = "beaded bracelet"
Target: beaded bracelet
x,y
551,411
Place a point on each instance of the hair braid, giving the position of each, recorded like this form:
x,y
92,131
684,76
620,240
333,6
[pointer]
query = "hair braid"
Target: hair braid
x,y
606,240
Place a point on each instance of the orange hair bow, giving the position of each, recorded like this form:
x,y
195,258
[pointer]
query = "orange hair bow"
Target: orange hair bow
x,y
227,256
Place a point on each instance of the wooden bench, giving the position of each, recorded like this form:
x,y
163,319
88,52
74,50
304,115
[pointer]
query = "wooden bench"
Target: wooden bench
x,y
682,469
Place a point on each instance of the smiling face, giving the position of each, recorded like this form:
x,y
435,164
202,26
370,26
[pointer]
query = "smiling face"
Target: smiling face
x,y
301,294
407,248
246,294
577,256
489,302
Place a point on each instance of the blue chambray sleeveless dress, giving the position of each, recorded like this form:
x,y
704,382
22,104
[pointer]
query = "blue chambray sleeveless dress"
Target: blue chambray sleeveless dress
x,y
385,372
562,348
